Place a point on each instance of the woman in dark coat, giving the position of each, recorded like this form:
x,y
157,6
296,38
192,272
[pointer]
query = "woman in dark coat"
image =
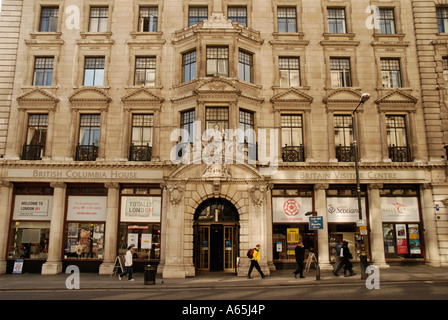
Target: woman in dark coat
x,y
346,260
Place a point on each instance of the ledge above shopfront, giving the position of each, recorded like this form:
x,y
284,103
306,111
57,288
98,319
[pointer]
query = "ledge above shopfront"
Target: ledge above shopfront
x,y
88,174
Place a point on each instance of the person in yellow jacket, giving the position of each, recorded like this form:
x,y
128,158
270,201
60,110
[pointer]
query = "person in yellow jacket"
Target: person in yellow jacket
x,y
254,262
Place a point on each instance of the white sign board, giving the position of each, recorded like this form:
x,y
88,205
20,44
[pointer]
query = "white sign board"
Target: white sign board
x,y
400,209
82,208
32,207
291,209
140,209
344,209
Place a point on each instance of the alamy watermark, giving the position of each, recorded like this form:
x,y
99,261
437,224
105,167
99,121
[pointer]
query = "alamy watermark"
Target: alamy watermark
x,y
226,146
73,281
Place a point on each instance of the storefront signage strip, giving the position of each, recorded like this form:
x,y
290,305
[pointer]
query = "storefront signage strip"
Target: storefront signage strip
x,y
84,174
343,175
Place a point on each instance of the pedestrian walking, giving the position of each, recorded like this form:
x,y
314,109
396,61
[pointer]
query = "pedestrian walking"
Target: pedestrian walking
x,y
339,257
128,264
300,257
254,262
346,260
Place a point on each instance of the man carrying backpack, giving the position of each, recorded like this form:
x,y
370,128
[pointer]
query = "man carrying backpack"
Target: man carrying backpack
x,y
254,262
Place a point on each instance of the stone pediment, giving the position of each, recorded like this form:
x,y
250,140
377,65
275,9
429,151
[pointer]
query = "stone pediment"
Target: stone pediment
x,y
37,98
345,95
397,96
397,100
89,97
142,97
217,85
292,99
292,95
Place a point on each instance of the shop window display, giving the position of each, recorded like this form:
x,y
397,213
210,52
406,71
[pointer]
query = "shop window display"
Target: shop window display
x,y
402,240
286,238
29,240
144,237
84,240
349,233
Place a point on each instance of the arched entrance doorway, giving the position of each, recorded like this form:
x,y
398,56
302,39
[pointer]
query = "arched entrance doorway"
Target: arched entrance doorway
x,y
216,236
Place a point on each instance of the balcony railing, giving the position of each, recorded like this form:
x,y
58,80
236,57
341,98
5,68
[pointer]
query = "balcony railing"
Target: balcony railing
x,y
399,154
86,152
345,154
293,153
140,153
33,152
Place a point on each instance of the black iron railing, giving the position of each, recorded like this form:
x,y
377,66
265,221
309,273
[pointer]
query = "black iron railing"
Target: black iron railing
x,y
140,153
33,152
293,153
86,152
345,154
399,154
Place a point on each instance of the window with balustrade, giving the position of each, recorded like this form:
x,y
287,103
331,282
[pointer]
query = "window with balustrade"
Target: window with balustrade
x,y
292,138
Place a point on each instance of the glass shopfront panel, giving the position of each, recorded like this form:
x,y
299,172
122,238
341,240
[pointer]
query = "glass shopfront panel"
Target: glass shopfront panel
x,y
84,228
342,215
402,229
140,217
30,226
291,224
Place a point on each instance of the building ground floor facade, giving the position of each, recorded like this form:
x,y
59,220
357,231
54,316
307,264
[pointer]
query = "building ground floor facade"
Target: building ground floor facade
x,y
198,217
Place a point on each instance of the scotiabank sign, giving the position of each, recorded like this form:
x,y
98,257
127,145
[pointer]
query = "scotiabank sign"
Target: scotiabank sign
x,y
291,209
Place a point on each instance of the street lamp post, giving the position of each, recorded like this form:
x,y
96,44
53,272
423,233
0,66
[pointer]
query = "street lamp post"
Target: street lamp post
x,y
363,255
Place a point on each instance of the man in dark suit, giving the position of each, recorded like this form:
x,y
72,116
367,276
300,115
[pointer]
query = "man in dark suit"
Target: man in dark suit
x,y
300,256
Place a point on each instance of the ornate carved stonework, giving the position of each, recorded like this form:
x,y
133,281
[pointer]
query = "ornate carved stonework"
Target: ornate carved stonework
x,y
257,194
217,20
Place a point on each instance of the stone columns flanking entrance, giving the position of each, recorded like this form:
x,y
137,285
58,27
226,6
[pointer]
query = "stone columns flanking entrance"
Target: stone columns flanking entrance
x,y
430,228
110,243
5,210
53,265
376,226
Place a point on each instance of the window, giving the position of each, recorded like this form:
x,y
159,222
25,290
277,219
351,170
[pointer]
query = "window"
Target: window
x,y
89,137
336,20
147,20
442,19
98,19
43,71
343,138
145,71
94,71
287,19
247,126
445,68
187,123
189,66
292,138
218,61
386,21
396,138
289,69
238,14
340,72
197,14
245,66
48,19
217,118
36,137
141,140
390,73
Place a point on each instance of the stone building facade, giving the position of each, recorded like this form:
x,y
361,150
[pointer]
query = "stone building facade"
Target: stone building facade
x,y
93,93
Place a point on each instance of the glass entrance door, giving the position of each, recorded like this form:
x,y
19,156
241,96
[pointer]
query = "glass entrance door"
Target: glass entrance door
x,y
216,236
216,247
